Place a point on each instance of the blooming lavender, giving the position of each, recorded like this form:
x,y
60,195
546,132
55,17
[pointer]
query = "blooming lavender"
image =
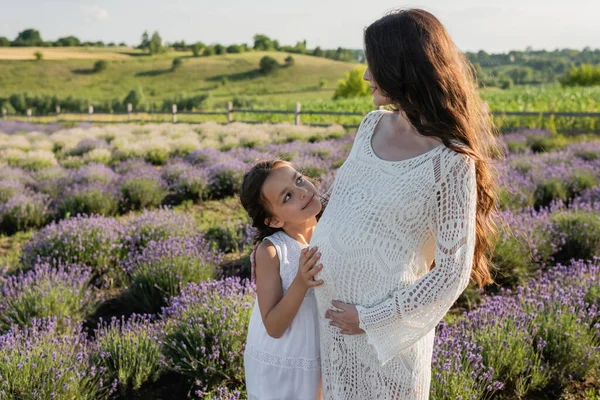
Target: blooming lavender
x,y
23,211
142,188
89,198
60,291
43,362
93,241
205,330
158,271
159,224
129,351
225,178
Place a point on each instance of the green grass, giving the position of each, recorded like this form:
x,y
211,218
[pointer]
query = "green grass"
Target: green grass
x,y
197,75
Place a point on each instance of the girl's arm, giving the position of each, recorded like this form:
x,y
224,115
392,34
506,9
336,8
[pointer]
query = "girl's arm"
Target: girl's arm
x,y
278,310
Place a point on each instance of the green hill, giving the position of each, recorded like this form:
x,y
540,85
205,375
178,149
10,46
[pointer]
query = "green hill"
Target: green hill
x,y
222,76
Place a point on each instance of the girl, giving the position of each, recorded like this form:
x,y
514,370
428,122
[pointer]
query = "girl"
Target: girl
x,y
282,359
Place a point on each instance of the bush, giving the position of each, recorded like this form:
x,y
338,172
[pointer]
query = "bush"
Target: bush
x,y
142,189
191,185
158,272
176,64
227,236
584,75
353,85
159,225
134,352
93,198
94,241
225,179
206,330
268,65
40,362
39,56
100,65
579,232
289,61
549,190
47,291
22,212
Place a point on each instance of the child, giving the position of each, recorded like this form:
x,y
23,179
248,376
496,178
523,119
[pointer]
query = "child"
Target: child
x,y
282,357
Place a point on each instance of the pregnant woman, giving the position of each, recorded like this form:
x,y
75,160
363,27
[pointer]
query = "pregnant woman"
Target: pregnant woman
x,y
408,222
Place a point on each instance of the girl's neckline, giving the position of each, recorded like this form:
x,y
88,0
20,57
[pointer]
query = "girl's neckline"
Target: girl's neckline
x,y
409,159
291,238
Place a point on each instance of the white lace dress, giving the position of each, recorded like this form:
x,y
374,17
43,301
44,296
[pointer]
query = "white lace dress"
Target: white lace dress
x,y
287,368
386,222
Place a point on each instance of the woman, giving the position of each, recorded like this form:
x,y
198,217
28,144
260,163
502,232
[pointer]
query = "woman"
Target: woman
x,y
408,221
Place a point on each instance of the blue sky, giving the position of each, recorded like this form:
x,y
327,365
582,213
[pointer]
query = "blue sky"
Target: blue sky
x,y
494,26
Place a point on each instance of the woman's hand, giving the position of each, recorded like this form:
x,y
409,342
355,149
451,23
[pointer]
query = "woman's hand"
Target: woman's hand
x,y
345,318
307,268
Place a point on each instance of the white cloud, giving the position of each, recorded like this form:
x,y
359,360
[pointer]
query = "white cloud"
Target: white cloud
x,y
94,13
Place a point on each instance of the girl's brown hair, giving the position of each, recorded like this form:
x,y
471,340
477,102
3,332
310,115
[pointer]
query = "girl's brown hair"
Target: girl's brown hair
x,y
417,65
253,200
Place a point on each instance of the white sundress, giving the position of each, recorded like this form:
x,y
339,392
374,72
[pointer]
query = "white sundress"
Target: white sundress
x,y
287,368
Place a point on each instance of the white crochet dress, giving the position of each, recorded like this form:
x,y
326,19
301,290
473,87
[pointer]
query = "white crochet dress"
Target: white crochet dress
x,y
386,222
287,368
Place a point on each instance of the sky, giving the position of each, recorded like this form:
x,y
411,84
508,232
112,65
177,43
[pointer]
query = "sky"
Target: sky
x,y
493,26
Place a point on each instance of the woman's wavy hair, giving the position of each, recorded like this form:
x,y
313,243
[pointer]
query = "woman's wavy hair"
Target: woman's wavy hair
x,y
417,66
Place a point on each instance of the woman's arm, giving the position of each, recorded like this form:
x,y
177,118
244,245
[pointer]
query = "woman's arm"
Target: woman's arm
x,y
278,310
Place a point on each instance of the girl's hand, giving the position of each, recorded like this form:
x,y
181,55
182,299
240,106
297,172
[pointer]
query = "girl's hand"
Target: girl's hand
x,y
307,269
346,319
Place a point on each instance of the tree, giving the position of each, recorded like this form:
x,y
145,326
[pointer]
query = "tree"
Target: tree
x,y
155,46
28,37
318,52
122,44
208,51
197,48
4,42
68,41
268,64
136,98
262,43
289,61
353,85
219,49
145,41
234,48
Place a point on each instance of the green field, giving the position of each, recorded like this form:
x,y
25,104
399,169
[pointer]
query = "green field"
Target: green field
x,y
201,75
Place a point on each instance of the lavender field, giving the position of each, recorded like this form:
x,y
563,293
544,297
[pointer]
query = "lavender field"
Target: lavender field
x,y
124,257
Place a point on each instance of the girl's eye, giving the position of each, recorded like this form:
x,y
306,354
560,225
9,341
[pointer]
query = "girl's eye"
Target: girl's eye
x,y
300,180
286,197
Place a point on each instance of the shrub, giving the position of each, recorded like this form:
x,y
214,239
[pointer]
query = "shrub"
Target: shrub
x,y
43,362
23,211
142,189
158,272
100,65
129,351
46,291
96,242
268,65
205,332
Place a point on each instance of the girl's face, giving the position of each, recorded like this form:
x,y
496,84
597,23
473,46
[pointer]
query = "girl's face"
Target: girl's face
x,y
291,198
378,98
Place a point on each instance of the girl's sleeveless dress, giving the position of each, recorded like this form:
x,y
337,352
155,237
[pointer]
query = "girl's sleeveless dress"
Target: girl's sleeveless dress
x,y
287,368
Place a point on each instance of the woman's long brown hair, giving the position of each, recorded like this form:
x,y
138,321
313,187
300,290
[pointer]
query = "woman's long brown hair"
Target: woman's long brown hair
x,y
417,65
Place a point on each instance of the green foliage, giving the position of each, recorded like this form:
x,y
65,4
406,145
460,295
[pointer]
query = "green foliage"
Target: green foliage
x,y
353,85
136,99
268,65
584,75
39,56
289,61
28,37
197,48
100,66
177,62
